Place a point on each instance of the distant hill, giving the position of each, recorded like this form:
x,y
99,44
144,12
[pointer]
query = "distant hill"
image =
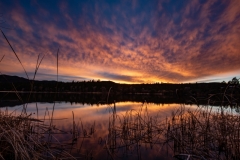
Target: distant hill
x,y
163,89
12,79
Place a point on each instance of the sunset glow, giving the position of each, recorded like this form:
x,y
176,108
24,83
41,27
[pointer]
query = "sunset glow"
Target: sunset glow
x,y
123,41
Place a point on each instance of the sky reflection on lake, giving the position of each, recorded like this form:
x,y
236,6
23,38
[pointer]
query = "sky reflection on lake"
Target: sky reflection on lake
x,y
96,117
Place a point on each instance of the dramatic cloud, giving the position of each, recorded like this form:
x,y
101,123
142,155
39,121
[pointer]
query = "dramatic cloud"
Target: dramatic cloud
x,y
124,41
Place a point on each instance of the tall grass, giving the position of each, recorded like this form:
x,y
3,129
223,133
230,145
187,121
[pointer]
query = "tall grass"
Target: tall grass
x,y
204,132
24,137
133,132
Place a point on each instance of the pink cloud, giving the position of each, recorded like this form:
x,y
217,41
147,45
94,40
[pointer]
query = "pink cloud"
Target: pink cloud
x,y
162,51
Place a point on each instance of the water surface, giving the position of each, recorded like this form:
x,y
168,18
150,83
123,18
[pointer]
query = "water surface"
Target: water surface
x,y
93,125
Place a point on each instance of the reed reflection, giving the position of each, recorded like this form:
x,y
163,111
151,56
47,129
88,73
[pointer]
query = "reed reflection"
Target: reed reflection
x,y
107,131
122,130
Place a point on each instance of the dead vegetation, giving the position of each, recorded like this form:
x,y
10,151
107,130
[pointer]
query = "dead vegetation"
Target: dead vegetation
x,y
206,132
24,137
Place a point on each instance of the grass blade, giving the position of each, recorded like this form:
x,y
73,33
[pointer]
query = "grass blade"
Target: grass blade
x,y
15,54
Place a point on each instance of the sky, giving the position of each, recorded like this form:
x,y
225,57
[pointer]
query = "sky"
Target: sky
x,y
122,41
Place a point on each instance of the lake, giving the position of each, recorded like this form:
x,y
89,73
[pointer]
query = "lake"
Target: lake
x,y
94,124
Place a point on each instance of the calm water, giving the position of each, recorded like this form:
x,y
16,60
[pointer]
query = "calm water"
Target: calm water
x,y
96,117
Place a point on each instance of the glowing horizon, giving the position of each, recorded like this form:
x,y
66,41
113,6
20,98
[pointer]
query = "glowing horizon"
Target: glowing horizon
x,y
123,41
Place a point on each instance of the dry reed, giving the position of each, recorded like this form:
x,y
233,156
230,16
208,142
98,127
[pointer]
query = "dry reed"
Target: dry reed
x,y
24,137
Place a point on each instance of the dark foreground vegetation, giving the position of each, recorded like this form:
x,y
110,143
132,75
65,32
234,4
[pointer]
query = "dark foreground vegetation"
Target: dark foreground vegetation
x,y
26,137
202,133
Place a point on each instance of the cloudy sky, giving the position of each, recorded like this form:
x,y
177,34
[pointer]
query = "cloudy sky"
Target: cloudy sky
x,y
122,41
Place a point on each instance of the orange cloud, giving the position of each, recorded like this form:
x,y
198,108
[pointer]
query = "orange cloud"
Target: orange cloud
x,y
144,43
